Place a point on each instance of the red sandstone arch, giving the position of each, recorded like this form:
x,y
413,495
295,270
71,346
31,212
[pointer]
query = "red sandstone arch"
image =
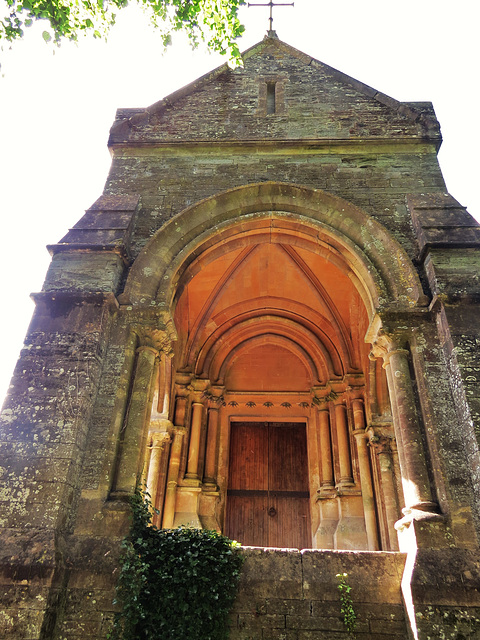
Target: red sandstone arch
x,y
212,362
328,358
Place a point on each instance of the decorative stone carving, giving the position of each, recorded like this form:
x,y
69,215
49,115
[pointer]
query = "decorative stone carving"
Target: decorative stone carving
x,y
159,340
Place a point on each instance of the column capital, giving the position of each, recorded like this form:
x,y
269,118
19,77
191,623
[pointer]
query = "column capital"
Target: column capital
x,y
394,350
387,339
160,425
328,395
339,398
214,396
380,444
381,436
360,434
199,385
159,439
158,340
182,382
179,430
198,389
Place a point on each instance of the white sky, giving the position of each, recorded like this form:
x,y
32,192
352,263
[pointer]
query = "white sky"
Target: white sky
x,y
56,110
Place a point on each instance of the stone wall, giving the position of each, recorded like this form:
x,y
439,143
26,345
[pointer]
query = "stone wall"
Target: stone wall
x,y
294,595
373,177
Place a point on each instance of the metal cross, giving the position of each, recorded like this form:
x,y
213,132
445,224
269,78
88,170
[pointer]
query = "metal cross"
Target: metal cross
x,y
271,4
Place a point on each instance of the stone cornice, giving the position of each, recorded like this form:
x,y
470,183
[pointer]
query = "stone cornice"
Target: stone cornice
x,y
280,146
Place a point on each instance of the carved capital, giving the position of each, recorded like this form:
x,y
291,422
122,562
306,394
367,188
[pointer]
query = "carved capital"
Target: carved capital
x,y
159,440
179,430
328,395
214,396
160,426
384,343
380,443
199,388
158,340
182,382
360,434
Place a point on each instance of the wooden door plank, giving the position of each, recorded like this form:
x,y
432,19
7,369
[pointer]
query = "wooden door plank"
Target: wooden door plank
x,y
290,527
288,465
246,520
248,468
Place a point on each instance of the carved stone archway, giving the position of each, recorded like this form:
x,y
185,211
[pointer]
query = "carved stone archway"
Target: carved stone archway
x,y
273,289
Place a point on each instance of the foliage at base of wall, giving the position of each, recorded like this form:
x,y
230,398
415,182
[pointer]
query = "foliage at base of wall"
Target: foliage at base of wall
x,y
175,584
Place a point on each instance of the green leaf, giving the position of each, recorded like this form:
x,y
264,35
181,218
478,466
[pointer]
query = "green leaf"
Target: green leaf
x,y
212,21
46,36
190,574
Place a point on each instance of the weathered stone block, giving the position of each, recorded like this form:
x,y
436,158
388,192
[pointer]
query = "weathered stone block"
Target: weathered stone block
x,y
318,623
371,575
85,272
289,607
269,573
246,634
280,634
260,621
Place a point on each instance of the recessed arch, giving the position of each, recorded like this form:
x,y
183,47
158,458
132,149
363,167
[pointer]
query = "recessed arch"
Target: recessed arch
x,y
251,342
211,362
383,271
272,289
317,327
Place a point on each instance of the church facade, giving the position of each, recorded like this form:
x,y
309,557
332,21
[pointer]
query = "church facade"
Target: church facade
x,y
270,319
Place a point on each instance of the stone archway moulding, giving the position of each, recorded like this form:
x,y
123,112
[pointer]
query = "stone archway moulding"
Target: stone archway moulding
x,y
376,263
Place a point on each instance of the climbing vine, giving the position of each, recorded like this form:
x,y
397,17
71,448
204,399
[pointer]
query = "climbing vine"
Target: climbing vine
x,y
346,604
174,584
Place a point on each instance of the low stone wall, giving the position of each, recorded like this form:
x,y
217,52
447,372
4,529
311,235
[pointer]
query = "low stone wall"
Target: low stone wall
x,y
286,594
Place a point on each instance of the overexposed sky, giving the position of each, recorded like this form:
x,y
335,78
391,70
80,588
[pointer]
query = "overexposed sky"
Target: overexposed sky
x,y
56,110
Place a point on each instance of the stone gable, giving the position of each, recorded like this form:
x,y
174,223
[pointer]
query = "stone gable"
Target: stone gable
x,y
312,101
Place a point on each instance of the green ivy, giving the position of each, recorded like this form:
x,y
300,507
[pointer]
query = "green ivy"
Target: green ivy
x,y
175,584
346,604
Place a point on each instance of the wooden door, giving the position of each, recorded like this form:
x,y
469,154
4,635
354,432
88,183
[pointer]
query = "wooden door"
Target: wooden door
x,y
267,496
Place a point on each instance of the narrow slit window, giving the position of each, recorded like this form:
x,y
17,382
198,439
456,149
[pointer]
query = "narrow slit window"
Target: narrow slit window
x,y
271,97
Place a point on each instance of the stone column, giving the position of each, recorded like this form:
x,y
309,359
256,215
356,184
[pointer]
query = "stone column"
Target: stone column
x,y
419,499
345,464
325,444
194,446
161,408
396,418
416,482
368,496
209,476
181,397
157,448
172,477
133,436
381,446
